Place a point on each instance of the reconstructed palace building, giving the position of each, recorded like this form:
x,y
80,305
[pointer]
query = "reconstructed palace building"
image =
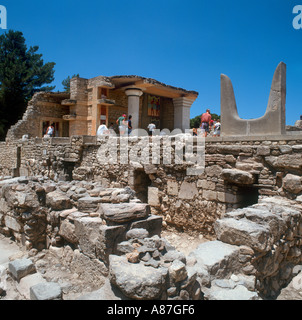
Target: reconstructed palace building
x,y
102,100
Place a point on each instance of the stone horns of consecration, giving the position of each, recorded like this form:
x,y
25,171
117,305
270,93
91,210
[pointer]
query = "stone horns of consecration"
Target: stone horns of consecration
x,y
271,123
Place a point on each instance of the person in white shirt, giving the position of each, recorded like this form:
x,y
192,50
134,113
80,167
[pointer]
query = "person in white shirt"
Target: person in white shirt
x,y
102,129
151,127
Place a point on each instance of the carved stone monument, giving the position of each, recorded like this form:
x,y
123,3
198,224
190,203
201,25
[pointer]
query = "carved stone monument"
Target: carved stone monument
x,y
271,123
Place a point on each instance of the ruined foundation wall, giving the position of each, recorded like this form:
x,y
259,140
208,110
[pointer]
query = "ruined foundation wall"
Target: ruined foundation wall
x,y
236,174
43,106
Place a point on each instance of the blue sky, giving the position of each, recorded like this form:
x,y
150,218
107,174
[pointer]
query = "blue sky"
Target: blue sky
x,y
186,44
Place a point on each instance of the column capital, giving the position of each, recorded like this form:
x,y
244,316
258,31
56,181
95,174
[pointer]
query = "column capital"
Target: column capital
x,y
132,91
182,102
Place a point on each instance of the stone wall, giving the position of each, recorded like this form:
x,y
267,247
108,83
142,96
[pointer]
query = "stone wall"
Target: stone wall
x,y
42,107
236,174
113,232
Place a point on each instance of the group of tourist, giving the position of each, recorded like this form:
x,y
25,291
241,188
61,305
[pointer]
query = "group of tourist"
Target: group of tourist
x,y
208,125
124,126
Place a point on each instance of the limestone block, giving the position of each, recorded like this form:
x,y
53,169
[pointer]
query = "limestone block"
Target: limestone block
x,y
286,161
177,271
12,223
243,232
20,268
153,198
237,176
58,201
137,281
88,204
263,151
108,239
87,230
209,195
138,233
46,291
153,224
292,183
67,231
123,212
227,197
188,191
172,187
216,258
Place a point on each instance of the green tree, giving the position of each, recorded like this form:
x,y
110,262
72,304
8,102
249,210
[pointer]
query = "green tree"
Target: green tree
x,y
22,73
66,82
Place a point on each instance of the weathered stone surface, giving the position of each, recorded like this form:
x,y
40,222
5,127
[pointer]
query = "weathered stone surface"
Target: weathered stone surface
x,y
88,204
12,223
138,233
124,212
87,230
172,187
217,257
137,281
238,293
153,198
58,201
46,291
177,271
187,190
243,232
67,231
27,282
237,176
20,268
292,183
108,239
152,224
286,161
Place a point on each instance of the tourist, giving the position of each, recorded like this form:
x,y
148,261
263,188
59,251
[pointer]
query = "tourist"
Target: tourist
x,y
129,124
194,131
205,122
151,127
50,130
122,125
102,129
217,127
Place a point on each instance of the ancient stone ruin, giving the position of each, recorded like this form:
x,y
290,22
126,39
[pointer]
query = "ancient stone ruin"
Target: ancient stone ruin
x,y
103,220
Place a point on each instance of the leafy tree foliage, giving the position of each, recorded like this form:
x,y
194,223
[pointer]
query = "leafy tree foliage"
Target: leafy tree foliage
x,y
66,82
22,73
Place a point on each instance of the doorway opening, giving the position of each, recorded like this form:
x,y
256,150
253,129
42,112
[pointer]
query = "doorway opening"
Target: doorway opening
x,y
140,185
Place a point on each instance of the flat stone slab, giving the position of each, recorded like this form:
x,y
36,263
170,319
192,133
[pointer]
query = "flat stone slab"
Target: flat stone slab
x,y
238,293
217,257
88,204
46,291
20,268
243,232
124,212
